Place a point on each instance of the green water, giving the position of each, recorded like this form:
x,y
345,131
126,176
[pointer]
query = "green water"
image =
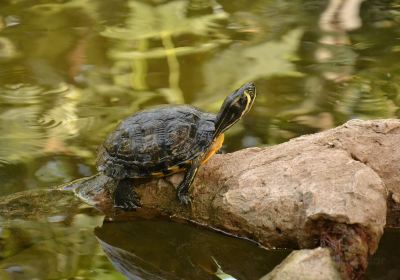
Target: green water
x,y
70,70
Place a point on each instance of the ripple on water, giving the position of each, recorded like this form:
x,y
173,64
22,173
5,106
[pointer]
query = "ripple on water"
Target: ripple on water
x,y
25,131
20,94
7,49
19,121
4,163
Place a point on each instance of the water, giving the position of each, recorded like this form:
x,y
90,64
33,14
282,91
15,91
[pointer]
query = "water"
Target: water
x,y
70,70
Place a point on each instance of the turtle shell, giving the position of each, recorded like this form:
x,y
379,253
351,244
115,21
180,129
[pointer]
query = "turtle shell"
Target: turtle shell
x,y
156,142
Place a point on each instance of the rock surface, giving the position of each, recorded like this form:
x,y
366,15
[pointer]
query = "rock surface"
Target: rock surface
x,y
286,195
316,264
276,195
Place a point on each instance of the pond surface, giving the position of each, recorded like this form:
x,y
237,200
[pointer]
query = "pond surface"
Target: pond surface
x,y
70,70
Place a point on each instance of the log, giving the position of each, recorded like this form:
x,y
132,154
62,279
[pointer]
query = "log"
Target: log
x,y
301,193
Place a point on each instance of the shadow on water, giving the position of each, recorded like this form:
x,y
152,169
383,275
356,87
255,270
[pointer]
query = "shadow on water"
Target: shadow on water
x,y
385,264
165,250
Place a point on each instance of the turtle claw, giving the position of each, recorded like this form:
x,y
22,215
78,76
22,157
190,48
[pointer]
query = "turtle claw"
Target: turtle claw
x,y
184,198
125,197
127,205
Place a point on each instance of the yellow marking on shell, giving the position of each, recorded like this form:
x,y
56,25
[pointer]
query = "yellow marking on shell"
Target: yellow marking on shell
x,y
214,148
157,174
171,170
174,169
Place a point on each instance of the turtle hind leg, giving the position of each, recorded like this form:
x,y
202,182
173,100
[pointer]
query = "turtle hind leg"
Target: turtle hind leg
x,y
183,189
125,196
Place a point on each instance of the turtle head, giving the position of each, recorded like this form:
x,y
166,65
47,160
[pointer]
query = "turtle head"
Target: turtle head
x,y
235,107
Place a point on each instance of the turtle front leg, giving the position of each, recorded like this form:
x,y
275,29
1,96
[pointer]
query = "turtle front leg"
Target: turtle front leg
x,y
183,188
125,196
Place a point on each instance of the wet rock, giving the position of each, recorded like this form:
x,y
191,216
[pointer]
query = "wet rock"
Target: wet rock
x,y
316,264
349,247
290,194
275,194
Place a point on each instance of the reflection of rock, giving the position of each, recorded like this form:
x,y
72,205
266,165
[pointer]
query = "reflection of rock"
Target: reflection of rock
x,y
164,250
341,15
132,266
293,193
384,265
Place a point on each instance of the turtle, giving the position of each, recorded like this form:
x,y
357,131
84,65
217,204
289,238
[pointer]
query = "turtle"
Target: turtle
x,y
161,141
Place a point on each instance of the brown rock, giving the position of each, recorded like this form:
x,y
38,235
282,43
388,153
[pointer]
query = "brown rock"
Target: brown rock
x,y
280,196
316,264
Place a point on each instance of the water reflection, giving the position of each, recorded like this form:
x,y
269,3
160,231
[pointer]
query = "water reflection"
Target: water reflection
x,y
165,250
384,265
70,70
48,235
